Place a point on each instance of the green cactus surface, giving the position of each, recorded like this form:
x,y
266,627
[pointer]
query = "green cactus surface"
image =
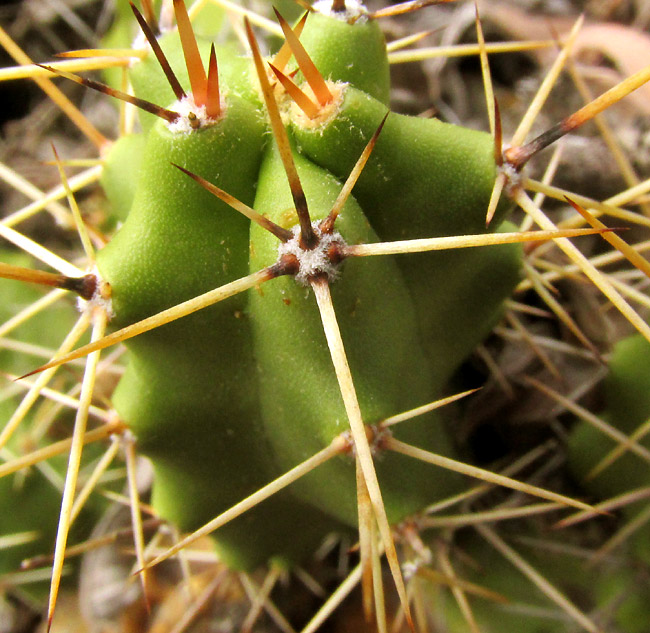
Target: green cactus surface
x,y
263,389
300,276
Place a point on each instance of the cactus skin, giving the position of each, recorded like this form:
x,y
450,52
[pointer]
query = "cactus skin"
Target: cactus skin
x,y
232,396
119,175
627,407
425,178
331,43
211,418
627,398
302,408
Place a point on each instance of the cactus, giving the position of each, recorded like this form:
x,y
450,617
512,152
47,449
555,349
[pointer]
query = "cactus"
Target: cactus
x,y
609,472
267,285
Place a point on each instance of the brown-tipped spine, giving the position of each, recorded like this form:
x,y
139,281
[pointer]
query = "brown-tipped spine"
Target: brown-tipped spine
x,y
308,239
310,109
158,52
213,100
147,106
284,54
327,225
150,14
284,235
307,67
405,7
84,286
195,69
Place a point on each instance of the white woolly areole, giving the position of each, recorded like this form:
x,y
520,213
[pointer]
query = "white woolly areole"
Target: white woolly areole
x,y
327,113
187,110
316,261
514,178
98,300
354,11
